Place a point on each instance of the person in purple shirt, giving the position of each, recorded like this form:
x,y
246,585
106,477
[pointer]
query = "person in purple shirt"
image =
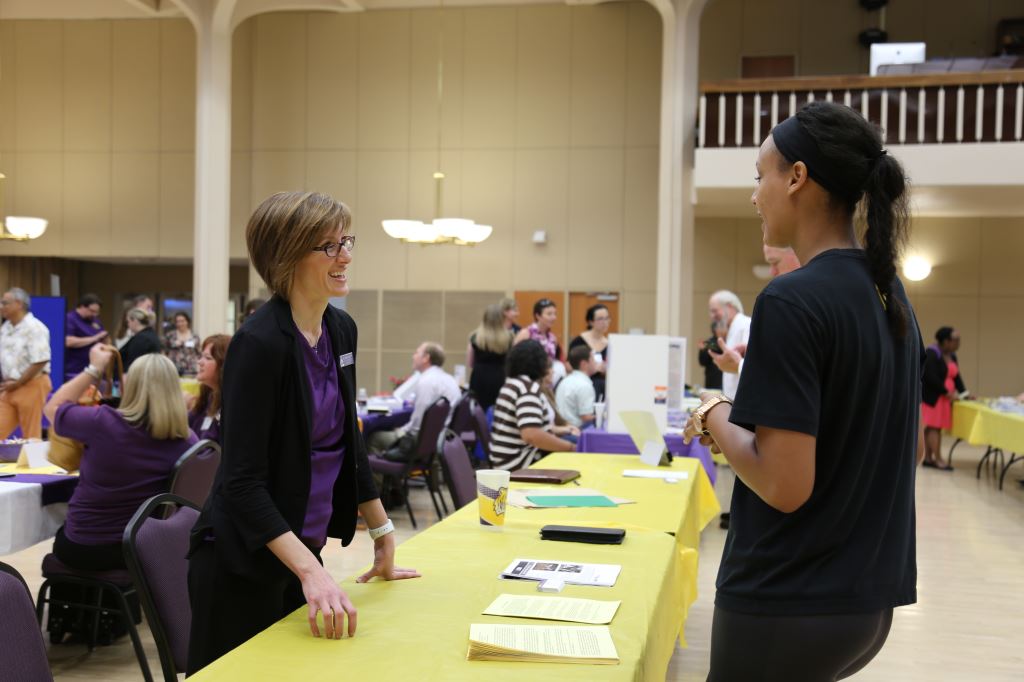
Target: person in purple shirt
x,y
204,416
294,468
83,330
129,454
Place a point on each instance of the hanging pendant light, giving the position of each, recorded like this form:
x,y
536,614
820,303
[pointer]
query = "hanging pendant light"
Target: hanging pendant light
x,y
19,228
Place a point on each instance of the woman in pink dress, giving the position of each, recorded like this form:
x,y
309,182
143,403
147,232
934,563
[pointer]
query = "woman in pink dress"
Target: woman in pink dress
x,y
941,385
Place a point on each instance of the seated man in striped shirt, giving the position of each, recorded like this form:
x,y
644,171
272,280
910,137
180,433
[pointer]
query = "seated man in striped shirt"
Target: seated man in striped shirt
x,y
519,432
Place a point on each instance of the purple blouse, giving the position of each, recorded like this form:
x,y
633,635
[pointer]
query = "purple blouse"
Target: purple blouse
x,y
205,426
77,359
122,467
328,451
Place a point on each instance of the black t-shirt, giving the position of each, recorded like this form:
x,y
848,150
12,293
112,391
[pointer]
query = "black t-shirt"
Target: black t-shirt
x,y
821,360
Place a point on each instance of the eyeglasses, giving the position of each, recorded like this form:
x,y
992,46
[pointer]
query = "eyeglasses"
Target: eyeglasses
x,y
331,250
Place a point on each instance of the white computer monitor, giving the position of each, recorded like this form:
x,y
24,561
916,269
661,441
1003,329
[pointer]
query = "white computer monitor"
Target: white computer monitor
x,y
883,54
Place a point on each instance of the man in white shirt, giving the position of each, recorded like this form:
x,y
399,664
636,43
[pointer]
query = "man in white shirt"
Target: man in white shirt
x,y
433,383
25,364
575,393
726,310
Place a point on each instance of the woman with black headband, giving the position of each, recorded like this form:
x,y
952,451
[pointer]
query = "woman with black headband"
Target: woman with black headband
x,y
822,433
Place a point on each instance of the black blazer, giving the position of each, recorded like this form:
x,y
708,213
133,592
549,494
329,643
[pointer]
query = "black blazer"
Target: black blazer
x,y
143,343
933,377
262,486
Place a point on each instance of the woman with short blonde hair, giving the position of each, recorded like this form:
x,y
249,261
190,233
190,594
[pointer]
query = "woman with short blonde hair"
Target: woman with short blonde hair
x,y
129,454
294,469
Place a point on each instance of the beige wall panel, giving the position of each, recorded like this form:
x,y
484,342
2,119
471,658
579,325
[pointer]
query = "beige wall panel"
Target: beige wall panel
x,y
749,252
8,86
134,204
8,165
410,317
1002,250
334,173
367,371
542,194
278,171
39,192
640,229
432,266
595,219
599,75
715,260
463,311
362,306
396,364
380,261
489,100
643,75
87,204
956,27
38,73
1002,325
488,197
638,311
543,75
954,247
905,21
136,86
772,27
177,206
241,202
87,89
428,46
332,94
177,86
241,87
384,80
961,312
818,47
721,39
279,82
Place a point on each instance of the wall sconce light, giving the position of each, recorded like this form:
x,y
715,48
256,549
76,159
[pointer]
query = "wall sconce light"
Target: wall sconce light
x,y
916,268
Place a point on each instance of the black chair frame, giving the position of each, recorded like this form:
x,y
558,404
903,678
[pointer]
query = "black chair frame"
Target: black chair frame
x,y
131,558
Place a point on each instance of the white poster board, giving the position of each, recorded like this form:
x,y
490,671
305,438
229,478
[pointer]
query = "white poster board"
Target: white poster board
x,y
638,378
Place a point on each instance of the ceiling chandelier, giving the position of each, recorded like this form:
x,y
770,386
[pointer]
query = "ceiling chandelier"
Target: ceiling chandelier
x,y
19,228
441,230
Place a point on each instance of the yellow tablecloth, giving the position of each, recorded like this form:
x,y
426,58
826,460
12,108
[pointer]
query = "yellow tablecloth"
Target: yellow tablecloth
x,y
978,424
418,630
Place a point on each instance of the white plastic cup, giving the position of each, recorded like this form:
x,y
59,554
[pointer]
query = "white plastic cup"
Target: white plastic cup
x,y
599,409
492,497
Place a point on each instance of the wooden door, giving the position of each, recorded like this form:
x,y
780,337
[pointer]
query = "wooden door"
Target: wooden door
x,y
579,302
525,301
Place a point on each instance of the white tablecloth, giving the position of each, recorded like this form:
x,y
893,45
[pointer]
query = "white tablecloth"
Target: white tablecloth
x,y
24,521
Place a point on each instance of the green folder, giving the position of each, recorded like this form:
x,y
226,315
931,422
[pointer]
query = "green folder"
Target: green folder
x,y
571,500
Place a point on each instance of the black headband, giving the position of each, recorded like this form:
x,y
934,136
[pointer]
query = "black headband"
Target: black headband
x,y
796,144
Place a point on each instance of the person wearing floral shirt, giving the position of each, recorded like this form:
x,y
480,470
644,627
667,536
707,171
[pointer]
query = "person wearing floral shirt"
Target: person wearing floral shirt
x,y
181,345
25,364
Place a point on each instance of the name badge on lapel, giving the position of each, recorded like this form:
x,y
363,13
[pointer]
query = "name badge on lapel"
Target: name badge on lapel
x,y
345,360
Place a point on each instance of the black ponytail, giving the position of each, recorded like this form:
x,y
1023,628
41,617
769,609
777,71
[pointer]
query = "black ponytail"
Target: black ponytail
x,y
860,173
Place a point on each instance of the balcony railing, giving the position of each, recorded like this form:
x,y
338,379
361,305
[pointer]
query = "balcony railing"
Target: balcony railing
x,y
946,108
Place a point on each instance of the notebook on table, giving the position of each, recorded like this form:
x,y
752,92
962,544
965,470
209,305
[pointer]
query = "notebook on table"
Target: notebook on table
x,y
557,476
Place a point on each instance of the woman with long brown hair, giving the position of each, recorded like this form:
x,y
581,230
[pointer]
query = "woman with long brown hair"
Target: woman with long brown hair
x,y
204,417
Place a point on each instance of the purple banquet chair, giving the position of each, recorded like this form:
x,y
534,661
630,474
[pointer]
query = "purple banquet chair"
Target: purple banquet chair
x,y
458,470
483,432
155,548
193,473
23,651
423,460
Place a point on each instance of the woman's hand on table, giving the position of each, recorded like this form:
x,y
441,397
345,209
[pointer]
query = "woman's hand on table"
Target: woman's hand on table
x,y
384,562
325,596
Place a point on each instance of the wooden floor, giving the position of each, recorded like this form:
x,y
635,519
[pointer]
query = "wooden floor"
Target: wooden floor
x,y
965,627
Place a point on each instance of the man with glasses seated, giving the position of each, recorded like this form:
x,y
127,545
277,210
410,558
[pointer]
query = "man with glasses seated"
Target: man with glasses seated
x,y
25,363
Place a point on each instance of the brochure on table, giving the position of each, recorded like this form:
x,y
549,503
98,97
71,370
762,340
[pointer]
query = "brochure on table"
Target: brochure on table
x,y
597,575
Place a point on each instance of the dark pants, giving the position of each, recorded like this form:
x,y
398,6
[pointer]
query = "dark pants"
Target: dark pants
x,y
794,648
87,557
228,609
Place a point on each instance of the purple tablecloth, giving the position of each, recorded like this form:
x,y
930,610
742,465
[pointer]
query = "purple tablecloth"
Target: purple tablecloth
x,y
56,488
598,440
378,421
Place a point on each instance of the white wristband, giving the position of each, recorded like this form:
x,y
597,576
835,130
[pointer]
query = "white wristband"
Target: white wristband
x,y
94,372
376,533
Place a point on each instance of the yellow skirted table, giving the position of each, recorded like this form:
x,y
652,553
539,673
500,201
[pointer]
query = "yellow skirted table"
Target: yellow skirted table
x,y
419,629
978,424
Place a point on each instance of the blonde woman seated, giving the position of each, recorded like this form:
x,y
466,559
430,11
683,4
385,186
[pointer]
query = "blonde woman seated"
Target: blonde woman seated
x,y
129,454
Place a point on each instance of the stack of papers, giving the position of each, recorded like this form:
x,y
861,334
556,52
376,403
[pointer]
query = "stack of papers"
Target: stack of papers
x,y
546,498
542,644
598,575
568,609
